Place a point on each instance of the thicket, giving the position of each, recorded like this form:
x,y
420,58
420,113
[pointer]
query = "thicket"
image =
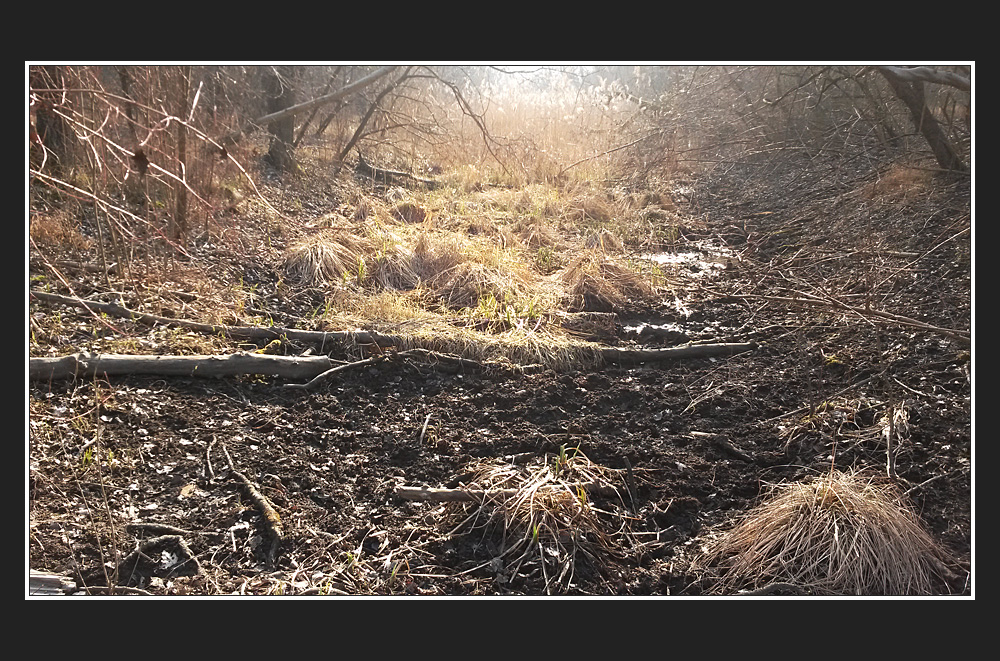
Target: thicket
x,y
148,157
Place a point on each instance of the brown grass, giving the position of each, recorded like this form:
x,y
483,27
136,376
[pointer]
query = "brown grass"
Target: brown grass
x,y
899,182
839,534
605,241
410,213
545,519
596,282
590,208
326,257
57,230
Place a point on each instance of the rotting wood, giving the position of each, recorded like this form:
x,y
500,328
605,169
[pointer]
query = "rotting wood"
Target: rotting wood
x,y
315,368
272,521
46,584
87,364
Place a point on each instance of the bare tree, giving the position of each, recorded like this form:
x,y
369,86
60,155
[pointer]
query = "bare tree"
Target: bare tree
x,y
908,84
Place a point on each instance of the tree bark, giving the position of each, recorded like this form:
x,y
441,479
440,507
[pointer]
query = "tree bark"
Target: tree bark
x,y
280,97
910,89
179,222
88,365
51,129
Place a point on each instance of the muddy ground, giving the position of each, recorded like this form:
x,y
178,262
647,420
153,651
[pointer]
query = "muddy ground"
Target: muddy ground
x,y
329,461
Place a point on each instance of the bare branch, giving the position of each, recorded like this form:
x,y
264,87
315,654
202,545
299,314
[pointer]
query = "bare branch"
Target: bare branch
x,y
929,75
319,101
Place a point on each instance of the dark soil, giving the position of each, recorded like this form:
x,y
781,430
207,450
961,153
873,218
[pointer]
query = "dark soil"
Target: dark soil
x,y
330,460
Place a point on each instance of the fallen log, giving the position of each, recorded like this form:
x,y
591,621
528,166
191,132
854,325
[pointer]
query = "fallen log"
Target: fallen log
x,y
369,171
317,338
83,364
87,364
47,584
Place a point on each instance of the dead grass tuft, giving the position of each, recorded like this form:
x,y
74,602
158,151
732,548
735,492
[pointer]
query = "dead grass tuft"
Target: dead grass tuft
x,y
596,282
605,241
57,230
537,235
410,213
590,208
899,182
544,516
842,533
326,257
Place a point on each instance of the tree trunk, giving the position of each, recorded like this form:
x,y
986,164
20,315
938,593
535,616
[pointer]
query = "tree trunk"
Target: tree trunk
x,y
280,96
179,223
52,130
912,94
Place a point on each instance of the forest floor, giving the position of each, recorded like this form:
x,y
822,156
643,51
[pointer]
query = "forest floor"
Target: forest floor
x,y
586,477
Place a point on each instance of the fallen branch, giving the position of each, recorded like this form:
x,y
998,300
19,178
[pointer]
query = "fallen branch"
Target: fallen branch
x,y
369,171
272,521
614,354
722,442
290,366
322,377
830,303
44,583
442,495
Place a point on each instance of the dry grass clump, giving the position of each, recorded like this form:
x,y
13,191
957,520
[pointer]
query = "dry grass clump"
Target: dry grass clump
x,y
589,209
842,533
899,182
605,241
469,283
325,257
56,230
339,256
433,255
534,234
544,516
460,275
596,282
516,345
392,268
410,213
